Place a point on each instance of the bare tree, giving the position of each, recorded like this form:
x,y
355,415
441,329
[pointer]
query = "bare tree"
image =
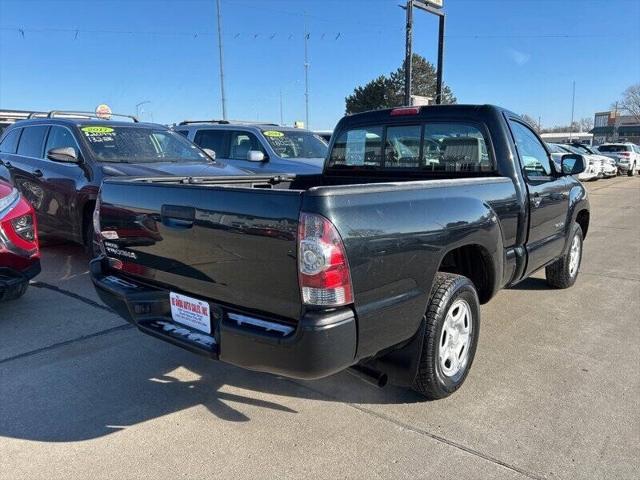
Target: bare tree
x,y
585,124
630,102
531,121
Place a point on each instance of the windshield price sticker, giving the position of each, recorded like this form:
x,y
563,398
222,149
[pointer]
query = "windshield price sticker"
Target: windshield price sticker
x,y
356,143
97,134
273,133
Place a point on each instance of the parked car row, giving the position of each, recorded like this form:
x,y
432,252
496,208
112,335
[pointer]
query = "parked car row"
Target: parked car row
x,y
597,164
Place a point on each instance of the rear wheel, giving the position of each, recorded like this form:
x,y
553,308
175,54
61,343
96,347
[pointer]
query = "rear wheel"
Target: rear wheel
x,y
563,273
451,336
15,294
631,170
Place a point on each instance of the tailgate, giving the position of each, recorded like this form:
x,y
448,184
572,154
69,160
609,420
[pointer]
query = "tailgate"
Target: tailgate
x,y
235,246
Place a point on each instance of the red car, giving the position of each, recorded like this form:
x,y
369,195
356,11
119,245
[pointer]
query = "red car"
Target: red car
x,y
19,250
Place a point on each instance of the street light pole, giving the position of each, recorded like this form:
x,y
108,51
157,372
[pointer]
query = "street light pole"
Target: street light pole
x,y
408,53
224,99
306,74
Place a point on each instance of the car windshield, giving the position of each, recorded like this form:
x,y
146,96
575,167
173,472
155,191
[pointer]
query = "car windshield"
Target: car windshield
x,y
124,144
553,148
614,148
296,144
573,149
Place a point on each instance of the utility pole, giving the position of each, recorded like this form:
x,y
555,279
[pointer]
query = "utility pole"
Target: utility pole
x,y
573,104
440,60
306,74
281,110
615,123
224,100
408,53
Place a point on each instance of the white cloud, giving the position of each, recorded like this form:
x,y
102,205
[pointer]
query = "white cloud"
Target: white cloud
x,y
520,58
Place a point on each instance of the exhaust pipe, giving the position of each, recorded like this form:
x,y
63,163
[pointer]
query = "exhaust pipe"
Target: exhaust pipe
x,y
369,375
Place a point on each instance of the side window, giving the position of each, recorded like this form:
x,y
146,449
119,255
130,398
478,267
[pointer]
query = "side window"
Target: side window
x,y
31,141
10,141
184,133
402,146
212,139
242,143
60,137
534,157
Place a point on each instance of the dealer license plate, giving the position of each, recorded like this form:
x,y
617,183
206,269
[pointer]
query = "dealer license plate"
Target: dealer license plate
x,y
191,312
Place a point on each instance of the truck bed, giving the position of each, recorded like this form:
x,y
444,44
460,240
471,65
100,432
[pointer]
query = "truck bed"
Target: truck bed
x,y
233,240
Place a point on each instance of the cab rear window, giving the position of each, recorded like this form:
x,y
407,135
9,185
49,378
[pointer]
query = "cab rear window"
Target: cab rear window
x,y
439,147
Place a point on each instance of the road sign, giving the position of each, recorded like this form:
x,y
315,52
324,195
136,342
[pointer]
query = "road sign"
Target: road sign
x,y
431,3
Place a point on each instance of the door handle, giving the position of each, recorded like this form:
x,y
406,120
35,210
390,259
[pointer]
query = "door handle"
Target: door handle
x,y
536,200
37,173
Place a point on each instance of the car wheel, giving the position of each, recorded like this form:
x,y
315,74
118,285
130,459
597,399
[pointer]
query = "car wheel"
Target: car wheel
x,y
563,272
631,170
15,294
451,336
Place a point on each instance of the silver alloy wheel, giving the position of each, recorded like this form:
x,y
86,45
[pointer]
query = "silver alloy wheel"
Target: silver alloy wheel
x,y
453,349
574,256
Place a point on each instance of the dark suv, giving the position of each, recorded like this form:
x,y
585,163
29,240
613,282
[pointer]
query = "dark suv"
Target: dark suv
x,y
59,160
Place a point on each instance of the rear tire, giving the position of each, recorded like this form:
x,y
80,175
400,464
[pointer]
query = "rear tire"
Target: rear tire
x,y
632,170
16,294
450,338
563,273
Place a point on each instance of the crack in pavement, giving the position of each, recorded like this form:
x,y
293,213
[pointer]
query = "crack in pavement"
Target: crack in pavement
x,y
426,433
615,277
68,293
54,346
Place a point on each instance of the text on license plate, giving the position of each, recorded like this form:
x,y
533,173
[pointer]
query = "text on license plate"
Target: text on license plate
x,y
191,312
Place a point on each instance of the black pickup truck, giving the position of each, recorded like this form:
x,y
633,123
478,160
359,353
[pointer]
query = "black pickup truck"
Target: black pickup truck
x,y
378,265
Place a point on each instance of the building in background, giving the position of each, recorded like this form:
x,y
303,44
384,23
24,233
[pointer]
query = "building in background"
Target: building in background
x,y
613,127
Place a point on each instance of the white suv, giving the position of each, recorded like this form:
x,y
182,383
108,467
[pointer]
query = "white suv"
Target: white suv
x,y
626,155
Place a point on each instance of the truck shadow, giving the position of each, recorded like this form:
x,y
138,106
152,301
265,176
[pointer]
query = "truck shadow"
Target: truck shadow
x,y
93,388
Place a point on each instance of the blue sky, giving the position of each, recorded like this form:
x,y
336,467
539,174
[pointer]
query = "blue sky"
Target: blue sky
x,y
521,54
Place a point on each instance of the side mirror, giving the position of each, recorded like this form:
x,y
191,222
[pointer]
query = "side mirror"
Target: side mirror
x,y
210,153
66,155
572,164
255,156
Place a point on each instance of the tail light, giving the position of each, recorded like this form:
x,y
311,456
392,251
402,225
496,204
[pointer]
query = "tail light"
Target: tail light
x,y
324,274
402,111
625,154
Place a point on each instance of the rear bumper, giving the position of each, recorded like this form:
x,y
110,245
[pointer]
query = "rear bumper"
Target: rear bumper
x,y
13,283
321,344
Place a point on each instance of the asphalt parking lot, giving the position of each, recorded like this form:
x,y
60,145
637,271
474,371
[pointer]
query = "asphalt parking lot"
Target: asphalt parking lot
x,y
554,391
